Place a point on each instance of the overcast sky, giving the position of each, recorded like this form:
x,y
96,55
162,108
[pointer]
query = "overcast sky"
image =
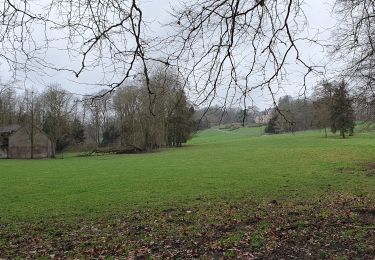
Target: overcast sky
x,y
320,19
318,13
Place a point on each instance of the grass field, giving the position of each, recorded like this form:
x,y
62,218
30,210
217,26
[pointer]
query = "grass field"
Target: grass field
x,y
208,181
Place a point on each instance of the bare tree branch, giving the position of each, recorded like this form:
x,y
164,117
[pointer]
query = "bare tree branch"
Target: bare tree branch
x,y
231,48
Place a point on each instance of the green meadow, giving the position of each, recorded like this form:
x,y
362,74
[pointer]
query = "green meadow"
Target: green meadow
x,y
220,179
215,165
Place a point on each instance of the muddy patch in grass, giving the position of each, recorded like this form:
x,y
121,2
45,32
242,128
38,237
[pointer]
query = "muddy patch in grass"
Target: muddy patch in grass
x,y
367,169
366,215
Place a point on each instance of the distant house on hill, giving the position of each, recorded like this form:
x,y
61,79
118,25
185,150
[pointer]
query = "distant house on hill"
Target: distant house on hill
x,y
15,143
264,117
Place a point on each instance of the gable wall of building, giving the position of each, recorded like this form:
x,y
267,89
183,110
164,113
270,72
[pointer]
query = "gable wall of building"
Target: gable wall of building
x,y
3,154
20,144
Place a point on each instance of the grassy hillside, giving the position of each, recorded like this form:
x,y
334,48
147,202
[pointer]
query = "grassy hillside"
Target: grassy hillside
x,y
216,164
216,169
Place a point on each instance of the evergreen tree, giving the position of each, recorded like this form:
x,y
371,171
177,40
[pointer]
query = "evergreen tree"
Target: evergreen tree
x,y
342,114
77,132
180,121
110,135
272,127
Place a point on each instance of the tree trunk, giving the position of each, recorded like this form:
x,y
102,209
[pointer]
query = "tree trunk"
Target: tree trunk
x,y
53,146
342,134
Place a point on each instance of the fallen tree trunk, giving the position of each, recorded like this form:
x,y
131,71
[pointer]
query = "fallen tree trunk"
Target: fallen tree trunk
x,y
128,149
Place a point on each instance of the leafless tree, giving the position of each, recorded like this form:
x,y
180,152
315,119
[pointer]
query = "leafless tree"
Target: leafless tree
x,y
230,48
224,46
126,105
322,103
106,35
171,123
57,106
355,46
7,106
98,106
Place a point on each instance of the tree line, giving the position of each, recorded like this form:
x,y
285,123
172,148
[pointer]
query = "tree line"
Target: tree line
x,y
218,115
127,117
330,106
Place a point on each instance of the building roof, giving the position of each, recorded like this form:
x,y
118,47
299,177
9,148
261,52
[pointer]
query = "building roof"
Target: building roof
x,y
7,129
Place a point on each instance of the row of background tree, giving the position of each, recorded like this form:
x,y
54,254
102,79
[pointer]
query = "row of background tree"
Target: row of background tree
x,y
330,106
217,115
127,117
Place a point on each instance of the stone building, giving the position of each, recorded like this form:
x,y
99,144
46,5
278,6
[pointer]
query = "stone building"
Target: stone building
x,y
15,143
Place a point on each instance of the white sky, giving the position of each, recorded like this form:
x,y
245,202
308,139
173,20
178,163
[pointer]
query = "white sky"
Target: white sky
x,y
321,20
318,13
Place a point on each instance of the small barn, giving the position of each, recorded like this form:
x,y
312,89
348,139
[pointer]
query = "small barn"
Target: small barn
x,y
15,143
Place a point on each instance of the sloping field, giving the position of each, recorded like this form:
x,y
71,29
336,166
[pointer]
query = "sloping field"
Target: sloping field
x,y
226,194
